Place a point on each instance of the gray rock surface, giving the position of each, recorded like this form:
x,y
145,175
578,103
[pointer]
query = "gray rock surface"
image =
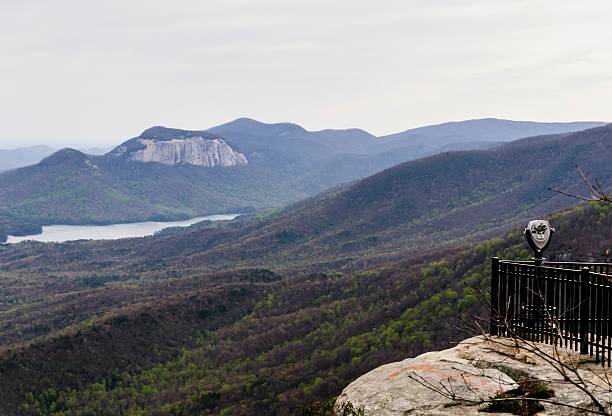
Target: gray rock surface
x,y
475,369
196,151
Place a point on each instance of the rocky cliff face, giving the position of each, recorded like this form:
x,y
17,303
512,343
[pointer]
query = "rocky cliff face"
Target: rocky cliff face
x,y
473,371
198,151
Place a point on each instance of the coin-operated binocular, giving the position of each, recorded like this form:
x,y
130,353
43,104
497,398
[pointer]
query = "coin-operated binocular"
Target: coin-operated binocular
x,y
538,234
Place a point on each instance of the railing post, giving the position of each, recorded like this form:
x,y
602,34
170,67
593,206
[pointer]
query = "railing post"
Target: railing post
x,y
538,261
584,309
494,314
538,303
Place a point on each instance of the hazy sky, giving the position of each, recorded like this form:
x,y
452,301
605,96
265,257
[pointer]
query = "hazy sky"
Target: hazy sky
x,y
85,73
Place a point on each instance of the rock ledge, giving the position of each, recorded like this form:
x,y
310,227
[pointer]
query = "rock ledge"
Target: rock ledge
x,y
474,369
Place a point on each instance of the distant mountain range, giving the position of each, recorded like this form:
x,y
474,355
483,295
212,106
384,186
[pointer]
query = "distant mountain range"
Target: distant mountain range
x,y
491,129
460,135
239,166
442,200
276,310
26,156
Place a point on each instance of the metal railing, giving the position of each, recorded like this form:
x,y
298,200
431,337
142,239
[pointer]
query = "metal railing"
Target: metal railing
x,y
558,303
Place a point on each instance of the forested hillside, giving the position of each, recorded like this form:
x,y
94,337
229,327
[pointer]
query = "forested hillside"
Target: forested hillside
x,y
235,208
245,343
439,201
70,187
280,308
286,163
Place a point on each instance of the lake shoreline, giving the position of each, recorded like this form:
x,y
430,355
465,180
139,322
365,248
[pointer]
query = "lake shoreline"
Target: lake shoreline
x,y
59,233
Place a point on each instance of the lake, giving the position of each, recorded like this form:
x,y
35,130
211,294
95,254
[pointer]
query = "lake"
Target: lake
x,y
61,233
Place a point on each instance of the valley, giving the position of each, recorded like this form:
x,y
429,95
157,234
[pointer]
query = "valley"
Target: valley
x,y
279,307
434,202
240,166
306,208
288,338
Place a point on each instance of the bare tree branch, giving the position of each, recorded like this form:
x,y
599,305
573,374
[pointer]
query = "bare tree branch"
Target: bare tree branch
x,y
595,189
564,362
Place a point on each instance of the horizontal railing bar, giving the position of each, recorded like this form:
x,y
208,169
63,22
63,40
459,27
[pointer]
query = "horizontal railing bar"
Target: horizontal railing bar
x,y
576,262
558,303
571,337
585,264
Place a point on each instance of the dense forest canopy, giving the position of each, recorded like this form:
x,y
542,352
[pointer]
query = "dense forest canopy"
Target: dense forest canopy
x,y
284,307
245,342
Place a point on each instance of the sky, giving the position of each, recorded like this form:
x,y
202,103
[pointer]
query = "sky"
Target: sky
x,y
86,73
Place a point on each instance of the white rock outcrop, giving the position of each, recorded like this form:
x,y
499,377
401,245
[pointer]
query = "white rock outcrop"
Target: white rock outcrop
x,y
196,151
473,370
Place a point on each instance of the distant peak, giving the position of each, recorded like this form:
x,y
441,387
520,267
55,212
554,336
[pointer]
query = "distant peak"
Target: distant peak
x,y
352,131
62,156
160,132
154,131
67,152
168,133
245,122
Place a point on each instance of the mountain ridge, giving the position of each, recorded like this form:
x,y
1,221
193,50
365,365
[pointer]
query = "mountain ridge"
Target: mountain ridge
x,y
285,163
510,129
437,201
278,309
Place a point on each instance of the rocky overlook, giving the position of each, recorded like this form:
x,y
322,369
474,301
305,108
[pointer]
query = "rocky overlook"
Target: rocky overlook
x,y
197,151
475,371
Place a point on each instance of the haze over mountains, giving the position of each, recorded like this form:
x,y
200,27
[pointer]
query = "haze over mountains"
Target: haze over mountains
x,y
248,165
442,200
195,263
280,307
470,133
25,156
276,310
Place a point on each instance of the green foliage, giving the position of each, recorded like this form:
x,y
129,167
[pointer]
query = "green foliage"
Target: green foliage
x,y
286,236
95,280
168,338
328,408
72,188
515,402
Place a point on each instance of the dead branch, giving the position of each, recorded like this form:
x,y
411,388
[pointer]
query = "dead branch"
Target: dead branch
x,y
595,189
567,368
